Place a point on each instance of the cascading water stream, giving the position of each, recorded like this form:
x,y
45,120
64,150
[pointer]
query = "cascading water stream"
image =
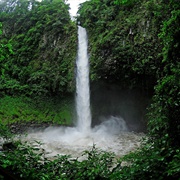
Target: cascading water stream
x,y
82,83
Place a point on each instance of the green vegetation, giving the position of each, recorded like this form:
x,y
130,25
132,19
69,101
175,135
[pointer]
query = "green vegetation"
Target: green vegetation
x,y
36,110
38,50
43,38
124,44
132,43
30,163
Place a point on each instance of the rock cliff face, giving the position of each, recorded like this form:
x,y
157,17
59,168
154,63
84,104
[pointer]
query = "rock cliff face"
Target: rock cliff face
x,y
124,44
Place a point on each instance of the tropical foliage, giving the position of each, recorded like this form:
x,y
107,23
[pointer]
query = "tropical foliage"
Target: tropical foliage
x,y
43,38
124,43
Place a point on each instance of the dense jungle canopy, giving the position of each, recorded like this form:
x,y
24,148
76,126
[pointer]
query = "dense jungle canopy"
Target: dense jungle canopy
x,y
132,43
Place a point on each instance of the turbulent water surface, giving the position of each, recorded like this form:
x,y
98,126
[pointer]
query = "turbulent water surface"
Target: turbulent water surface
x,y
112,135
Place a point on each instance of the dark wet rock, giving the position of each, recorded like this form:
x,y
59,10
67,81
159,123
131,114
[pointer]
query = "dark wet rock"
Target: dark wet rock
x,y
21,128
8,146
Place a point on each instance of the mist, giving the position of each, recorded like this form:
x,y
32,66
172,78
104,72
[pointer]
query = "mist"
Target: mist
x,y
111,135
111,100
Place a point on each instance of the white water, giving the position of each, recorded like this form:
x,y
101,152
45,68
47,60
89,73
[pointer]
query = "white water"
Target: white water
x,y
111,135
82,84
107,136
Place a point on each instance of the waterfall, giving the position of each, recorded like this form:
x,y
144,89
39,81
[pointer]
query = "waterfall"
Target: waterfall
x,y
110,135
82,83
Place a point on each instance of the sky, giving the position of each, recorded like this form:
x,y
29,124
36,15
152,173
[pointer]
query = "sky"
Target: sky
x,y
74,6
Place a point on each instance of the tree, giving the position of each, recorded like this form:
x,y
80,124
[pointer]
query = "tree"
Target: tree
x,y
42,35
5,52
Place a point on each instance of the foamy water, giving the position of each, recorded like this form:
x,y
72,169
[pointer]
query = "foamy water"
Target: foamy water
x,y
112,135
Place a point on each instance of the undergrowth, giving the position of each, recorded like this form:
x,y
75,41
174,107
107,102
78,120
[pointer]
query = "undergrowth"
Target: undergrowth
x,y
29,162
40,110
